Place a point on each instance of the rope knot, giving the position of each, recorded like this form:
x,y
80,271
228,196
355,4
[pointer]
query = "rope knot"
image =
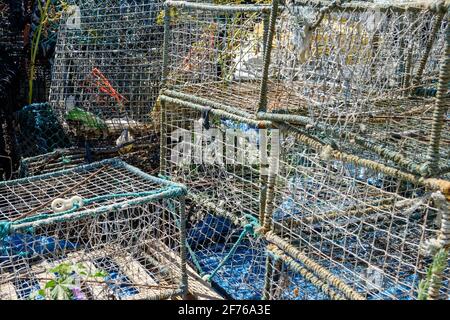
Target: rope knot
x,y
426,170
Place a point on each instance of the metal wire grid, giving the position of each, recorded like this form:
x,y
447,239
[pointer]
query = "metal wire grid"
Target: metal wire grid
x,y
215,161
370,73
33,192
216,53
138,244
125,239
214,243
109,66
59,159
143,154
366,227
287,283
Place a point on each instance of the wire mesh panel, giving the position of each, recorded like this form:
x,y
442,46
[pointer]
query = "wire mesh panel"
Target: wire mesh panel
x,y
142,153
365,227
215,52
365,74
100,231
57,160
107,69
289,280
221,158
231,256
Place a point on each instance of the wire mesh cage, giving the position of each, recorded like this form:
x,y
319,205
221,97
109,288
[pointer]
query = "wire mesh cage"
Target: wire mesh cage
x,y
107,69
102,231
215,52
369,228
369,76
222,157
347,209
142,153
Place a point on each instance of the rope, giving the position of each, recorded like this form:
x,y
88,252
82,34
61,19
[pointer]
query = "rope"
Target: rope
x,y
317,269
309,276
267,54
5,226
248,229
428,47
440,109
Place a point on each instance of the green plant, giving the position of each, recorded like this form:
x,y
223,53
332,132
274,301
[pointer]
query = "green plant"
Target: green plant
x,y
173,13
67,282
47,15
437,266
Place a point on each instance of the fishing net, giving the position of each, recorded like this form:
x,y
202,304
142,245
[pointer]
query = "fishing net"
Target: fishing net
x,y
38,130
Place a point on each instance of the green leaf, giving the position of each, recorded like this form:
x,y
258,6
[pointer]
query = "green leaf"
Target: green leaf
x,y
60,293
50,284
100,274
36,293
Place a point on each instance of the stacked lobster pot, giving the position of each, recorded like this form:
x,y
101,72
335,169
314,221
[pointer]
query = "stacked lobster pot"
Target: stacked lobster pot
x,y
319,129
211,140
360,196
107,70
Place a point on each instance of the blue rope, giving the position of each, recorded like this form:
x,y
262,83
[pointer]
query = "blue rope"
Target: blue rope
x,y
4,229
191,252
248,229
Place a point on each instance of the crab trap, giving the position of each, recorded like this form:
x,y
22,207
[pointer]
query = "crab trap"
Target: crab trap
x,y
214,53
223,159
367,76
101,231
107,69
142,153
366,230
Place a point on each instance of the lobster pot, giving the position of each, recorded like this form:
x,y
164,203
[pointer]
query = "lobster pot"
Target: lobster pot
x,y
228,254
215,52
120,235
369,227
221,157
369,75
57,160
143,154
107,68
